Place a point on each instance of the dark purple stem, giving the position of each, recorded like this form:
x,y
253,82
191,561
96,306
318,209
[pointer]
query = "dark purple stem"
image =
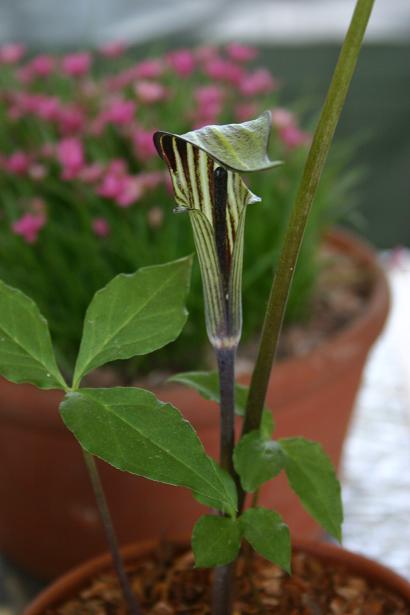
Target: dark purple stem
x,y
223,585
105,517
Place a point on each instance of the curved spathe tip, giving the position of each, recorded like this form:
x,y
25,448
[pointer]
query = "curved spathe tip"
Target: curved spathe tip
x,y
239,147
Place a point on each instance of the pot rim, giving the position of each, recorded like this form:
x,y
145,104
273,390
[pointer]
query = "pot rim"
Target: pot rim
x,y
71,582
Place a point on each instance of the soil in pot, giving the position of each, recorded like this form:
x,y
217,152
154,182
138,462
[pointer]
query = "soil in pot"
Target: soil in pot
x,y
166,583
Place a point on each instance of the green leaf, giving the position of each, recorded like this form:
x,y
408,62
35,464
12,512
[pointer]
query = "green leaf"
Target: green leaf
x,y
215,541
207,385
240,147
257,460
26,350
133,431
134,314
311,475
268,535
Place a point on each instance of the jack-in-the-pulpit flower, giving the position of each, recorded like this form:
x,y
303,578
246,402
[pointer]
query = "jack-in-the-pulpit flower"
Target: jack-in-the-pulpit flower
x,y
205,166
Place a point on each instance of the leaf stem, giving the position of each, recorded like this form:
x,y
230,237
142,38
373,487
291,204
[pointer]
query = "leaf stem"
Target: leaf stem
x,y
223,583
315,162
105,517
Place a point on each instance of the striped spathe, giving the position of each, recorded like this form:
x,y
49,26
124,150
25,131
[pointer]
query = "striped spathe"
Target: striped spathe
x,y
215,196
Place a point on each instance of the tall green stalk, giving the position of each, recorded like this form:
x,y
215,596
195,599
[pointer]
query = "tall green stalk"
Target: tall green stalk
x,y
315,162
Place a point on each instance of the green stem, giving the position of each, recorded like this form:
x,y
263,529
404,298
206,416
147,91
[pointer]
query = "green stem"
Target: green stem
x,y
105,516
223,582
255,498
315,162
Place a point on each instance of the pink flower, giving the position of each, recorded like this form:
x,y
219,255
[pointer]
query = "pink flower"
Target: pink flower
x,y
11,53
18,163
37,171
29,226
131,191
120,112
282,118
91,173
151,179
143,144
76,64
209,99
117,111
224,70
258,82
182,61
293,137
117,166
47,107
208,94
150,91
207,114
206,53
124,189
149,69
289,132
70,119
89,88
113,50
111,186
70,154
121,80
241,53
42,65
98,124
25,102
101,227
246,111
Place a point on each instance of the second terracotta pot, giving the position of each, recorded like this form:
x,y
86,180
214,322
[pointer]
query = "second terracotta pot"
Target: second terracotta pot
x,y
66,587
48,518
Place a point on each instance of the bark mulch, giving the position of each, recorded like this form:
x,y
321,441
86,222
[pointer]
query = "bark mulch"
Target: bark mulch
x,y
167,584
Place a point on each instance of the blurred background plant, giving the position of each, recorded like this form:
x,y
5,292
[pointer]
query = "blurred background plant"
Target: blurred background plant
x,y
84,196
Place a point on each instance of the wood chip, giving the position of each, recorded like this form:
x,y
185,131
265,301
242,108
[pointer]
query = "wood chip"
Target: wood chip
x,y
167,584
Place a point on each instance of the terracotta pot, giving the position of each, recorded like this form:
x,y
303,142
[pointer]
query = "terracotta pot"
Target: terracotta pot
x,y
48,519
68,585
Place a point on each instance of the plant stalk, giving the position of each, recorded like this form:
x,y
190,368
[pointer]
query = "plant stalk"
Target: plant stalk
x,y
314,165
106,520
224,576
226,369
223,589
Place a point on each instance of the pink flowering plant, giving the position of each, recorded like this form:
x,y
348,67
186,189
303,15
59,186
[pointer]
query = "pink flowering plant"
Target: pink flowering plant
x,y
84,195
